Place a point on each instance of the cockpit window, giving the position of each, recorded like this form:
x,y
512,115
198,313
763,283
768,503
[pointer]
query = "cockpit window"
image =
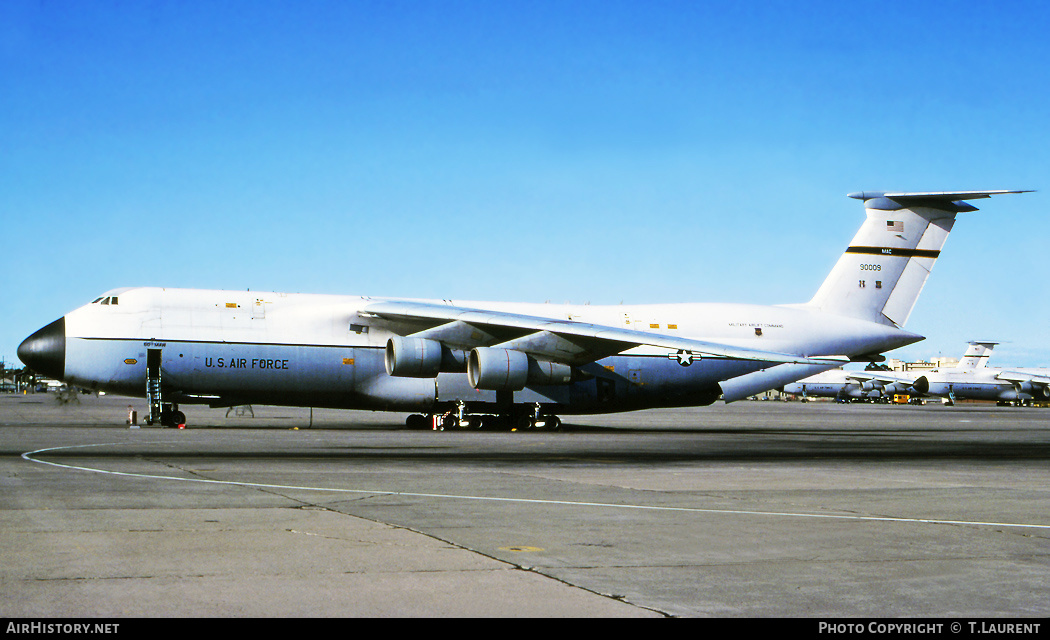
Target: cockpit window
x,y
105,300
95,301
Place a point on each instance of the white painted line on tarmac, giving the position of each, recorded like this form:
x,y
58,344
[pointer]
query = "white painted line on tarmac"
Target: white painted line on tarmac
x,y
603,505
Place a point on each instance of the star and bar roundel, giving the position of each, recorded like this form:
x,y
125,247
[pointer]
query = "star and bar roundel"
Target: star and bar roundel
x,y
685,358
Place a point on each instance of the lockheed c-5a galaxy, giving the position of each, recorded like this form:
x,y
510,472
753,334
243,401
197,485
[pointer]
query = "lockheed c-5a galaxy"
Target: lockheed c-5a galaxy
x,y
881,385
977,381
487,363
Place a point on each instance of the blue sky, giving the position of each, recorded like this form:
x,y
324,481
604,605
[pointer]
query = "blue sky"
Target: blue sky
x,y
579,151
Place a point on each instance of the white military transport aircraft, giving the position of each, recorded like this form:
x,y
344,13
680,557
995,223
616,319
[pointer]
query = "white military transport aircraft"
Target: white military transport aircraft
x,y
981,382
847,385
480,363
873,385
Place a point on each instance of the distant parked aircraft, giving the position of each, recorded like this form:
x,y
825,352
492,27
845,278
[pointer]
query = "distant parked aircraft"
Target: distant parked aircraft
x,y
1005,386
870,385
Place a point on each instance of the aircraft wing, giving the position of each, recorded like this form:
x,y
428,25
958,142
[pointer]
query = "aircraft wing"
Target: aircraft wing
x,y
885,377
1017,376
551,339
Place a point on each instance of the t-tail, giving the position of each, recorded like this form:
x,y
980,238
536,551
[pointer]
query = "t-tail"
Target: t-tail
x,y
885,267
977,354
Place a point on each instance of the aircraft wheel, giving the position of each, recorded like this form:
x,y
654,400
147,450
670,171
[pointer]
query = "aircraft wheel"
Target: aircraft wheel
x,y
553,423
416,421
177,418
449,422
492,423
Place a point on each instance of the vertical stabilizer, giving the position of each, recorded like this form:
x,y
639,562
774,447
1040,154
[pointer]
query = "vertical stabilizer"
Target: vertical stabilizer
x,y
884,269
977,354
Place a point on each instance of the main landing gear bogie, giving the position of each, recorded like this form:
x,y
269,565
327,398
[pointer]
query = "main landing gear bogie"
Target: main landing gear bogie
x,y
457,418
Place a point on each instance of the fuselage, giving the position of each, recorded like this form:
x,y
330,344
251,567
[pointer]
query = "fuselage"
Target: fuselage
x,y
237,347
985,384
832,384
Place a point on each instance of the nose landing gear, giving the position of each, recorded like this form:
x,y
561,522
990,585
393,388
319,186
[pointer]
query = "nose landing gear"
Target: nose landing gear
x,y
160,412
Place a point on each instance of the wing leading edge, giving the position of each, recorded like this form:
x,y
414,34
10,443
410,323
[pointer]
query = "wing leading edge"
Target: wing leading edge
x,y
562,341
1021,377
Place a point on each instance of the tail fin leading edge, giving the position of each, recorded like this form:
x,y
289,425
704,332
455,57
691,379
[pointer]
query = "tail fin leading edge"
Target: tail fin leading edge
x,y
885,267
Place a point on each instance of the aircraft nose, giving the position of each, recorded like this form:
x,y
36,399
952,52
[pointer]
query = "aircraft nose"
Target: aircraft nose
x,y
45,350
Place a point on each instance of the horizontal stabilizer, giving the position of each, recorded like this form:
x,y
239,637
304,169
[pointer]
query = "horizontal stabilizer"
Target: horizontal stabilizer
x,y
949,196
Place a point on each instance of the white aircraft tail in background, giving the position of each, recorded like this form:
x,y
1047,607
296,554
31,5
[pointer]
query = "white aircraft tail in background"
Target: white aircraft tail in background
x,y
977,354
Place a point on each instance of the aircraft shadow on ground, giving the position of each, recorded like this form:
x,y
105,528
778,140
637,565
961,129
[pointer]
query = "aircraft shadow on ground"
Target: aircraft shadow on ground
x,y
766,445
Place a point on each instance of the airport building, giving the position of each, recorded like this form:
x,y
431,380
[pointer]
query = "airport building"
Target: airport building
x,y
922,365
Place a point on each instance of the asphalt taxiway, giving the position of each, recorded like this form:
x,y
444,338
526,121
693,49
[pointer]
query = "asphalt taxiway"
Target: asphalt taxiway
x,y
750,509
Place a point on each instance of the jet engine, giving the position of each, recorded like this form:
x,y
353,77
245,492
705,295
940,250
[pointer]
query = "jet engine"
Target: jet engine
x,y
542,372
922,385
898,387
497,369
865,390
1033,389
413,357
870,385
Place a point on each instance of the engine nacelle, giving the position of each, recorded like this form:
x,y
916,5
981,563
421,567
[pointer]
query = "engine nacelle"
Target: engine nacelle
x,y
863,391
1014,395
497,369
870,385
413,357
922,385
898,387
542,372
509,370
1033,389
